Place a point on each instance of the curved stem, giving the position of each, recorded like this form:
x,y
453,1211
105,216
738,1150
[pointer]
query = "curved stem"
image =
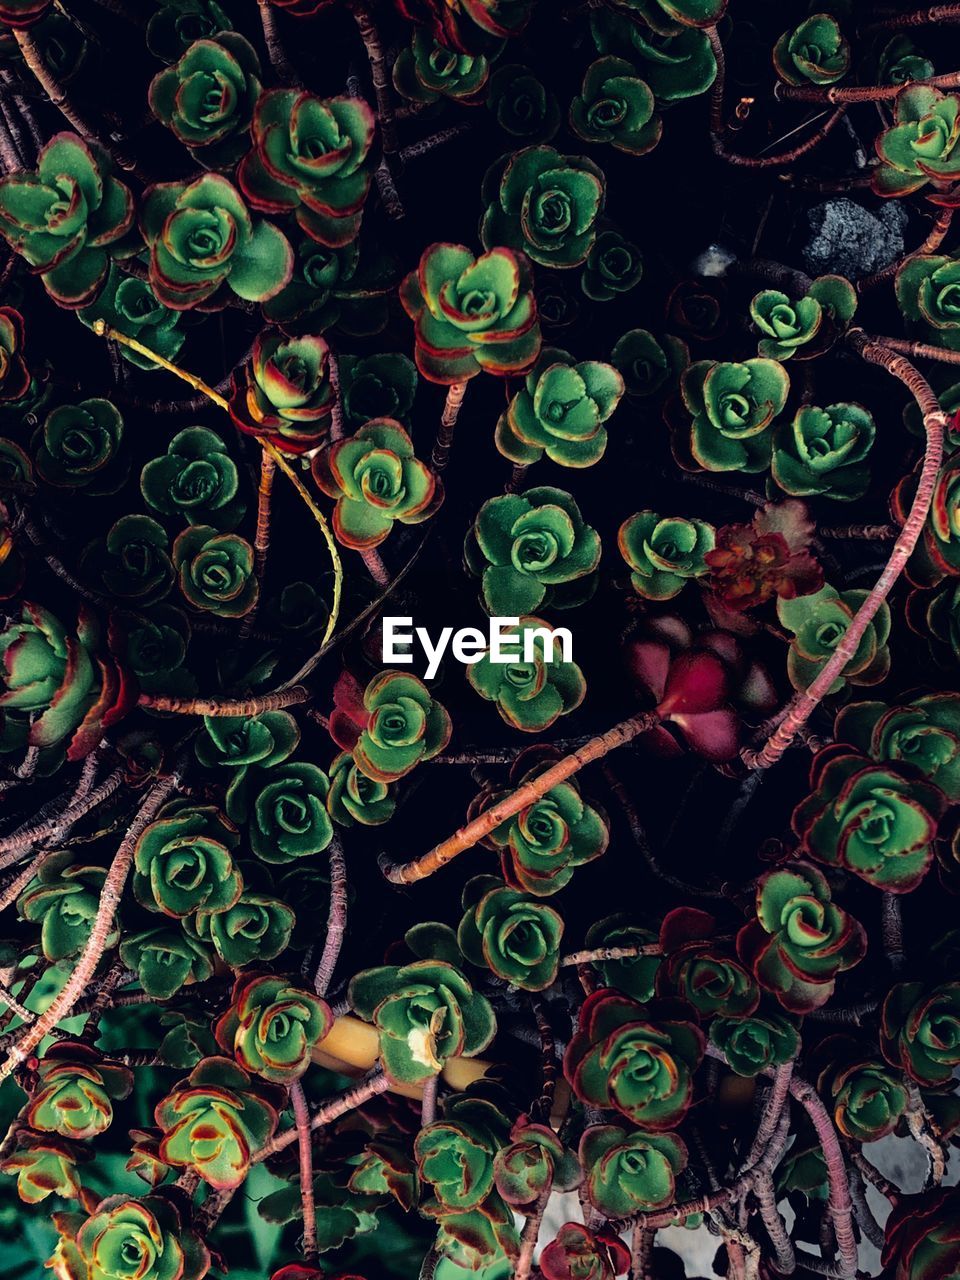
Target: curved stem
x,y
543,1106
301,1117
528,1240
336,918
641,1251
862,93
14,846
934,423
291,697
349,1100
448,420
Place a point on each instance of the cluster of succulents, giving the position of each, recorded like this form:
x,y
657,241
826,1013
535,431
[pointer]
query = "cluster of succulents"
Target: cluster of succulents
x,y
322,959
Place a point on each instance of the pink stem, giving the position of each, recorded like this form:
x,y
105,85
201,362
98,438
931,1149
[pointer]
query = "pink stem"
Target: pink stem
x,y
336,918
349,1100
301,1117
839,1204
528,1241
13,846
428,1105
375,567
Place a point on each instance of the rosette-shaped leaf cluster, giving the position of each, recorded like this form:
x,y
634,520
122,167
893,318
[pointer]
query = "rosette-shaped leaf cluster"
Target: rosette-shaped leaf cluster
x,y
376,479
174,26
544,203
207,98
533,1160
824,452
649,365
469,25
920,1030
235,741
471,313
165,959
130,306
937,554
617,107
626,1057
215,571
755,1043
664,554
731,408
63,898
531,548
521,104
766,559
56,687
429,70
132,561
196,480
257,927
76,1089
78,448
807,326
675,66
695,968
632,975
426,1013
578,1252
214,1122
201,236
630,1172
923,145
922,1236
455,1155
869,1099
65,217
873,819
815,52
313,157
531,694
391,726
925,733
353,797
818,622
510,933
901,61
43,1166
271,1027
283,392
799,939
542,845
614,265
284,809
928,294
560,411
123,1238
183,861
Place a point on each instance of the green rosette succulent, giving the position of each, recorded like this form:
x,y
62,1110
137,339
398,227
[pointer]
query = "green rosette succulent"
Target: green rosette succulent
x,y
937,554
544,203
521,105
271,1027
215,571
530,695
165,959
403,726
183,861
529,548
62,897
214,1123
560,411
534,1159
616,107
626,1172
125,1238
206,99
542,845
869,1099
732,407
313,157
920,1030
928,294
257,927
633,976
78,448
664,554
283,392
799,939
235,741
284,809
818,622
195,480
696,968
43,1166
426,1013
455,1155
802,328
815,52
901,61
355,798
471,313
871,819
132,561
675,66
649,365
510,933
823,452
130,306
174,27
614,265
376,480
755,1043
633,1061
922,145
67,217
924,734
377,386
669,17
201,236
429,70
476,1239
75,1092
386,1168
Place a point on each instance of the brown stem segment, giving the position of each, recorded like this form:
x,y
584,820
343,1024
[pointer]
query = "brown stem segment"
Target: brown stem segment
x,y
548,1060
291,697
373,562
261,540
528,1241
641,1252
382,89
934,423
862,93
918,350
301,1119
275,50
336,918
921,18
612,953
451,411
528,794
92,953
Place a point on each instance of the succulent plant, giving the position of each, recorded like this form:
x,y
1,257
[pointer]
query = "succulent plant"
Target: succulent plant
x,y
510,933
389,727
647,364
455,1155
75,1091
355,798
630,1172
675,66
215,571
256,928
731,408
123,1235
921,146
62,898
920,1235
927,289
615,106
271,1027
815,52
284,809
283,394
533,1160
922,735
196,479
755,1043
818,622
664,554
824,452
164,959
919,1030
805,327
698,969
530,694
576,1251
79,448
183,861
130,306
429,70
521,104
